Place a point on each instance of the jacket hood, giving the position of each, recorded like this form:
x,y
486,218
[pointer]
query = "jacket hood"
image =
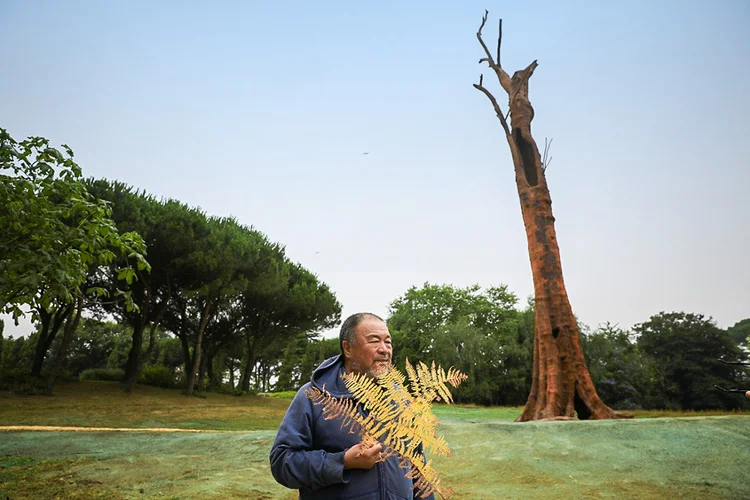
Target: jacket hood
x,y
328,374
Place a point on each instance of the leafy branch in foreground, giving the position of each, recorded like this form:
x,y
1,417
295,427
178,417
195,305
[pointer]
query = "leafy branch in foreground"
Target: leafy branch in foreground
x,y
400,419
54,233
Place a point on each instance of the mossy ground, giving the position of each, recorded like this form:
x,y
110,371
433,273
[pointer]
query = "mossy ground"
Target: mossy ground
x,y
701,457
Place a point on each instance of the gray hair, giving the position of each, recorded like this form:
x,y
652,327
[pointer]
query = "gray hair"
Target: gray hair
x,y
349,327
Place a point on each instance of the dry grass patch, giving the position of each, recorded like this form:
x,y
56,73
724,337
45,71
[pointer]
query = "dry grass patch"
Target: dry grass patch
x,y
105,404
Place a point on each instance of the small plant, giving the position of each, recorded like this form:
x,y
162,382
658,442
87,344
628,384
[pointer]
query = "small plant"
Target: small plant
x,y
158,376
400,419
110,374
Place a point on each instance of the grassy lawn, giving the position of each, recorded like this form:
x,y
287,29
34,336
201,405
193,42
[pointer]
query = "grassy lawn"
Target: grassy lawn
x,y
105,404
703,457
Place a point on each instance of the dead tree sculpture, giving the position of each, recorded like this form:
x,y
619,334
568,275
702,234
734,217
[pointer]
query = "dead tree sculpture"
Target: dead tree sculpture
x,y
561,385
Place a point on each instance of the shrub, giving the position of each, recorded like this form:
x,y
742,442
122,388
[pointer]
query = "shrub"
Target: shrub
x,y
158,376
111,374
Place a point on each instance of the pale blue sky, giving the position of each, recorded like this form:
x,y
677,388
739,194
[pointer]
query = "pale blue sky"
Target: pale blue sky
x,y
262,110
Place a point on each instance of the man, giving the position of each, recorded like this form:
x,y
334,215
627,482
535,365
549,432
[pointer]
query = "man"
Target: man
x,y
315,455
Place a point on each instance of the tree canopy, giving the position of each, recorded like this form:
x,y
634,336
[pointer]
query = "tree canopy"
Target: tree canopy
x,y
478,331
687,350
54,231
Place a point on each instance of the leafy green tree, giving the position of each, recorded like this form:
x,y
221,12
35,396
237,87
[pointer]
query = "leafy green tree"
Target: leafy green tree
x,y
479,332
93,344
616,367
686,350
300,357
414,317
227,263
303,304
174,234
222,344
740,332
232,259
315,353
55,236
17,354
53,230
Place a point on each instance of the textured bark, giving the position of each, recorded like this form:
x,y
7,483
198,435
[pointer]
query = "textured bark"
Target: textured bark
x,y
134,356
561,385
137,357
139,323
51,323
231,373
146,356
193,373
251,358
71,325
247,369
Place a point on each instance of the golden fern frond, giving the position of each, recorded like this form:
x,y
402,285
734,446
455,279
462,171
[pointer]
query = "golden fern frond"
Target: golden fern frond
x,y
414,414
400,419
414,384
366,391
433,381
334,408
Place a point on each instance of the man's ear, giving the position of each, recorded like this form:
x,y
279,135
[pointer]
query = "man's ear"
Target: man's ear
x,y
347,346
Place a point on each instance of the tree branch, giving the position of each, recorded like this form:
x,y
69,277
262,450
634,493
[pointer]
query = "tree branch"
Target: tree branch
x,y
484,46
495,105
502,76
499,40
546,159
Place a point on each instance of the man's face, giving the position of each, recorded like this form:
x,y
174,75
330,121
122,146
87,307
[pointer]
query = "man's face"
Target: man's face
x,y
371,352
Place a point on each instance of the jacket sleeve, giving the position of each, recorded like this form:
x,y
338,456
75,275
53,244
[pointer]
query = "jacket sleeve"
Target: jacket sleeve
x,y
294,462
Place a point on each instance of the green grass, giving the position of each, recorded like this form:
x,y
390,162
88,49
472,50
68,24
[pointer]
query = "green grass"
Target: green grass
x,y
282,394
702,457
475,413
105,404
685,413
27,477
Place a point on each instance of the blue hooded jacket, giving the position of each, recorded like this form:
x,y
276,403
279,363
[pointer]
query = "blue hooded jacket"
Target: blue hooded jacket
x,y
308,453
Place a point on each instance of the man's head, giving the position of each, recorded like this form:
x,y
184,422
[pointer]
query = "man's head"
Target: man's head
x,y
366,344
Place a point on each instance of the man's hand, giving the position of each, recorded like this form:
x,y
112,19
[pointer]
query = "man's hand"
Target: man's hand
x,y
359,457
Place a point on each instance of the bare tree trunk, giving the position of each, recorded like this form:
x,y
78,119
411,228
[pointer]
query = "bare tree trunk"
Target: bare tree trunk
x,y
185,353
140,322
146,356
134,356
208,368
561,385
247,369
51,324
205,316
69,331
202,370
2,327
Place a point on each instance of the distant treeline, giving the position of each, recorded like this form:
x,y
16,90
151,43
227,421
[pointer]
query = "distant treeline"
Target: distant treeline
x,y
75,248
671,361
